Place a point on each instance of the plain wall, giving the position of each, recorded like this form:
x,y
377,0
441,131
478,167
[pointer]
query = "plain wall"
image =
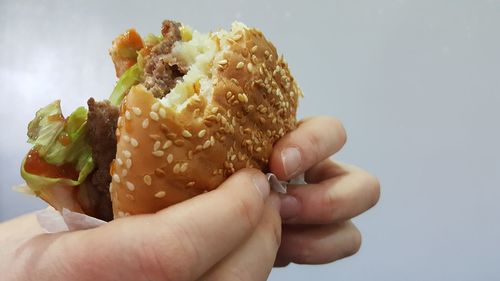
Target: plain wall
x,y
416,83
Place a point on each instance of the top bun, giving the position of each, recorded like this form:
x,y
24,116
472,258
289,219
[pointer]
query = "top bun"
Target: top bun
x,y
237,99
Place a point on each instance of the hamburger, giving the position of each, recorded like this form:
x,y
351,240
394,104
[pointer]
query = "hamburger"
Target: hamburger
x,y
188,110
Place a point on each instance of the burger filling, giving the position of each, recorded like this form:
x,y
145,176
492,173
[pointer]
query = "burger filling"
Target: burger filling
x,y
175,67
161,72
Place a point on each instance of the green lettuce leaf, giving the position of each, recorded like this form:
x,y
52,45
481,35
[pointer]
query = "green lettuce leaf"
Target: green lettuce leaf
x,y
45,133
127,80
44,130
37,182
74,132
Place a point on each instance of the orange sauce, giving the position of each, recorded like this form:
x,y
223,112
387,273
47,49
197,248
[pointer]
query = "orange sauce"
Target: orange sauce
x,y
34,164
55,117
64,139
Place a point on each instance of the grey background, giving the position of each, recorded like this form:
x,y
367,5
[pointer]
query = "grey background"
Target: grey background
x,y
416,84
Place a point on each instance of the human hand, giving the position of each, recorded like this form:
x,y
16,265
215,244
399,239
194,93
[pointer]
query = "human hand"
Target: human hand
x,y
231,233
317,227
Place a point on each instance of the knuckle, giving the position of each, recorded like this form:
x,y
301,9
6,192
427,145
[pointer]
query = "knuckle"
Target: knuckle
x,y
304,253
315,144
248,209
164,257
332,203
238,274
275,230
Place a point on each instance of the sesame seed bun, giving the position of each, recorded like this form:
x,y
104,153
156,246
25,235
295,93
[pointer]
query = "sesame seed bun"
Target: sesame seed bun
x,y
225,115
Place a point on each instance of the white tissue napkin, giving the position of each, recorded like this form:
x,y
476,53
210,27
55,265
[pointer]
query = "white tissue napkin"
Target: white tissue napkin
x,y
53,221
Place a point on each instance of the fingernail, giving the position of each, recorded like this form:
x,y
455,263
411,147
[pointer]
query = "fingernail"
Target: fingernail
x,y
262,185
290,207
291,160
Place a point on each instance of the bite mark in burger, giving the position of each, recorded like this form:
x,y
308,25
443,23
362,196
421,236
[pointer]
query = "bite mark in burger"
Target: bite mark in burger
x,y
189,110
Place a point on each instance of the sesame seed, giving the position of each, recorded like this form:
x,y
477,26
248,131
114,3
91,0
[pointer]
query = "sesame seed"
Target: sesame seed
x,y
126,138
206,144
183,167
249,67
233,157
134,142
160,172
171,136
158,153
120,120
254,49
119,161
155,106
124,172
242,97
176,168
179,142
237,37
116,178
130,186
190,154
156,145
240,65
145,123
196,112
160,194
147,179
154,116
214,109
254,60
163,113
170,158
186,134
137,111
128,163
127,115
127,154
266,52
258,149
212,140
202,133
292,94
222,62
155,137
270,57
191,183
167,144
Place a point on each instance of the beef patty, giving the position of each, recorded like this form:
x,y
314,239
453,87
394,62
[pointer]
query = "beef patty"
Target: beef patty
x,y
161,71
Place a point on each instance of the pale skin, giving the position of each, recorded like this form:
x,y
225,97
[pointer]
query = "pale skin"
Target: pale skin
x,y
210,237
